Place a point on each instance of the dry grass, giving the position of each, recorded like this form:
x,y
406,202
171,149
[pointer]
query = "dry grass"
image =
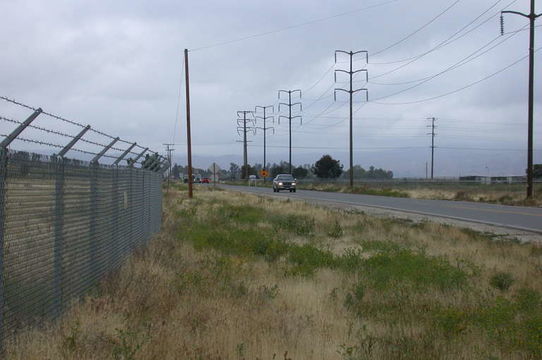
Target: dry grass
x,y
505,194
236,276
498,193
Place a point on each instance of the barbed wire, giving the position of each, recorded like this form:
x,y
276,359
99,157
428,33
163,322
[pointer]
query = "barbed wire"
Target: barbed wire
x,y
45,143
75,123
36,141
61,134
38,127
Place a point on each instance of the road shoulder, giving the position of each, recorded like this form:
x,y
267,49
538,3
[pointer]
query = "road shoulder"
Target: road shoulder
x,y
501,232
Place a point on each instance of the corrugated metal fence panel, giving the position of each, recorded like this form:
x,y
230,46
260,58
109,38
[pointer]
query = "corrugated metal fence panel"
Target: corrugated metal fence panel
x,y
64,224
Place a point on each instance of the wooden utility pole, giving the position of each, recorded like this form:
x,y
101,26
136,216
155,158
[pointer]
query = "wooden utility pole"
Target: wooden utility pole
x,y
188,136
532,16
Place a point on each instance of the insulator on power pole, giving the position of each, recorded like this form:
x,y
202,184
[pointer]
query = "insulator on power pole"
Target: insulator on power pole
x,y
502,25
351,91
290,117
242,130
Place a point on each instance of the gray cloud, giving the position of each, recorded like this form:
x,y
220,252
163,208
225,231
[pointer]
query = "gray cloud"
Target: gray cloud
x,y
116,65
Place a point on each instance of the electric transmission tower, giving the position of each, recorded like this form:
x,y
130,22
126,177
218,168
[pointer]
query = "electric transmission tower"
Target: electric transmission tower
x,y
532,16
290,117
351,91
169,151
264,128
242,130
433,134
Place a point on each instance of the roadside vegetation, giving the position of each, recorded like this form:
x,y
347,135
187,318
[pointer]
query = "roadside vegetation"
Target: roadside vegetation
x,y
505,194
236,276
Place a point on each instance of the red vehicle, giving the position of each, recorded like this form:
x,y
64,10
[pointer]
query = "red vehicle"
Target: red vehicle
x,y
205,181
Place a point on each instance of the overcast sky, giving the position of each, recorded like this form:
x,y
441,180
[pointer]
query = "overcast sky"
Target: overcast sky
x,y
117,66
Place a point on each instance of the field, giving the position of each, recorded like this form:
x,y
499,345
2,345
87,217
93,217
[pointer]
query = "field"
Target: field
x,y
235,276
505,194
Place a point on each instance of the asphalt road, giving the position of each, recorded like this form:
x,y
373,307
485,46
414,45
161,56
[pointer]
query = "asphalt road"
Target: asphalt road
x,y
513,217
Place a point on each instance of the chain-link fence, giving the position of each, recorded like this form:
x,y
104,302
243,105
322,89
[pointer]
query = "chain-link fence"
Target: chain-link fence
x,y
64,224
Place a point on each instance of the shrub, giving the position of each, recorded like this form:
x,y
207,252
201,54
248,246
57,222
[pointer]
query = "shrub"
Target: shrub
x,y
307,258
335,230
452,321
462,196
502,281
406,266
298,224
243,214
350,261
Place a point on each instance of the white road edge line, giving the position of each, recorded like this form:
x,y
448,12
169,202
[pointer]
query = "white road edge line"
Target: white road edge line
x,y
521,228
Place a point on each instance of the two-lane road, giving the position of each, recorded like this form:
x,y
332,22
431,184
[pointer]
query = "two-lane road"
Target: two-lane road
x,y
514,217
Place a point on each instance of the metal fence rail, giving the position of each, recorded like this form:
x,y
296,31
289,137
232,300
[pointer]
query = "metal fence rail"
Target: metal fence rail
x,y
64,224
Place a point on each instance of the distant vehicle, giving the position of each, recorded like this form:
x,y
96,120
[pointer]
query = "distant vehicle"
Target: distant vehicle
x,y
205,180
284,182
195,179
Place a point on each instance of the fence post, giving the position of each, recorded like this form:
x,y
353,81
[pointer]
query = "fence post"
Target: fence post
x,y
96,165
115,236
4,157
3,175
93,221
131,206
58,242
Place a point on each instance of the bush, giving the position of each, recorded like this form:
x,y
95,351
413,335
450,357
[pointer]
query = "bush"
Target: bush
x,y
502,281
308,258
451,321
354,298
335,230
298,224
406,266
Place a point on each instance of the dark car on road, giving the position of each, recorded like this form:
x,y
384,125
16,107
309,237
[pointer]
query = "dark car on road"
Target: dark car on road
x,y
284,182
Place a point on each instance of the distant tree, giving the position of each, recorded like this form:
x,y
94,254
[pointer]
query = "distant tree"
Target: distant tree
x,y
327,168
537,171
374,173
176,171
359,172
282,168
257,168
251,171
300,172
23,160
151,162
234,170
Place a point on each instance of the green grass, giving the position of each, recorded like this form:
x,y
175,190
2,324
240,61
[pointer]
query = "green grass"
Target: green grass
x,y
392,278
406,266
231,229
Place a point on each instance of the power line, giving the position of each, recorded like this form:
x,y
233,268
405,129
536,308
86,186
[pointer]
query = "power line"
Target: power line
x,y
416,31
177,112
395,148
469,58
286,28
457,90
532,16
445,42
320,79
